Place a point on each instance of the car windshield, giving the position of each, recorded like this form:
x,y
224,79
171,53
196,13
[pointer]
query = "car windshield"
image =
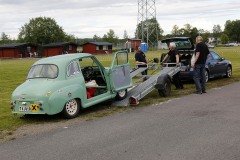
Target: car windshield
x,y
43,71
183,44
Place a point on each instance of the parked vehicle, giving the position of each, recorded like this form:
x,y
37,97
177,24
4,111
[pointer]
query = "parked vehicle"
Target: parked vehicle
x,y
230,44
69,82
210,45
216,66
61,84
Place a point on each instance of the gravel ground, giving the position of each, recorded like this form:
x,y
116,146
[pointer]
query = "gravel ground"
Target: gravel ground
x,y
33,129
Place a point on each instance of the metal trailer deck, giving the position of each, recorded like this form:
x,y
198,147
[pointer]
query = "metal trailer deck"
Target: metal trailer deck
x,y
138,91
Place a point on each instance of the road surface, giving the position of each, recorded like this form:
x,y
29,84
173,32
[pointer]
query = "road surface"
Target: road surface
x,y
193,127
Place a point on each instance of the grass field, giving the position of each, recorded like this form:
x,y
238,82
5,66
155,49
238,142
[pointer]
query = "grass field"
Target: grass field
x,y
13,72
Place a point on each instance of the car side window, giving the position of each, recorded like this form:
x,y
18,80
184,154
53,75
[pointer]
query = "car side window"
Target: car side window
x,y
215,55
73,69
121,59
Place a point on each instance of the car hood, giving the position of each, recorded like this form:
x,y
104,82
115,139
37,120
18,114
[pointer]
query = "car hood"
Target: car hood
x,y
33,88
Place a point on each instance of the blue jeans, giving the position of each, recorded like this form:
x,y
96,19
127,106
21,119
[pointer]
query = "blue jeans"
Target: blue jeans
x,y
199,77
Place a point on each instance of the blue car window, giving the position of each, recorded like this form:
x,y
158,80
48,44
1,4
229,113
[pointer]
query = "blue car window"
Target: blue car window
x,y
215,55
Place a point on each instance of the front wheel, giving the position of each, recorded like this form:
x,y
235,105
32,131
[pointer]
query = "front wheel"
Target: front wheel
x,y
229,72
121,95
71,109
206,76
166,90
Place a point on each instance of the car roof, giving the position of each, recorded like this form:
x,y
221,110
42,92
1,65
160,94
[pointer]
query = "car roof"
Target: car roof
x,y
61,59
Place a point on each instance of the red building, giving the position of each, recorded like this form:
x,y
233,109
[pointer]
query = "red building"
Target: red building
x,y
97,47
133,44
17,50
54,49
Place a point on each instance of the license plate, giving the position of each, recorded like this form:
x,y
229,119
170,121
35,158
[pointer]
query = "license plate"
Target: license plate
x,y
33,108
24,108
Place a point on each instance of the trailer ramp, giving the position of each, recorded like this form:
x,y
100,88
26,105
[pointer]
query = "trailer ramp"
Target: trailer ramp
x,y
138,91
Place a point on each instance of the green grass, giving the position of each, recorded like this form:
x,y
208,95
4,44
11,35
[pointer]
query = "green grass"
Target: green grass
x,y
13,72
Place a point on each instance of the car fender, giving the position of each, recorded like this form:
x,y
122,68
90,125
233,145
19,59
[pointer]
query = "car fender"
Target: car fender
x,y
161,81
58,99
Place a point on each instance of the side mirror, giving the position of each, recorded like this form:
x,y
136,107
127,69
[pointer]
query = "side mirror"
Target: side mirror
x,y
222,58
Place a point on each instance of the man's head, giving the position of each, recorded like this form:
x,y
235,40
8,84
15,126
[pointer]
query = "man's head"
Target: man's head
x,y
139,49
199,39
172,46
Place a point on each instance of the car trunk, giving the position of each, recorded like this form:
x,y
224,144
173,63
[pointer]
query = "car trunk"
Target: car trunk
x,y
185,47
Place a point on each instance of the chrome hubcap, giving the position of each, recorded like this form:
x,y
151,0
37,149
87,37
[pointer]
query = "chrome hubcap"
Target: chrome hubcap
x,y
71,107
229,72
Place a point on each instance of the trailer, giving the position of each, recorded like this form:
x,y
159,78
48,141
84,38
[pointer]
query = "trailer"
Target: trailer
x,y
160,79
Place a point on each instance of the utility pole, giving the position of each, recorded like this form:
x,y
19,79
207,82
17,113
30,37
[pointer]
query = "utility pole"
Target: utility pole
x,y
146,15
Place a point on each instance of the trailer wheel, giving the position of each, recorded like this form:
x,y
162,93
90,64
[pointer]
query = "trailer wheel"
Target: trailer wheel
x,y
121,95
71,109
166,90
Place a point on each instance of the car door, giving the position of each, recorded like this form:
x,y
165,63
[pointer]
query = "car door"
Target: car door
x,y
216,64
120,72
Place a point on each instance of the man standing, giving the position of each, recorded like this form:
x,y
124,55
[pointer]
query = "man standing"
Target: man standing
x,y
141,60
198,64
174,58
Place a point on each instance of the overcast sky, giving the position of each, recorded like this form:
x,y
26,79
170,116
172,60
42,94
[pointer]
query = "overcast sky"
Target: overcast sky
x,y
84,18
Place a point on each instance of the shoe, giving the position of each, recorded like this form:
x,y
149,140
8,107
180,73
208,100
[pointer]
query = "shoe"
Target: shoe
x,y
204,92
197,92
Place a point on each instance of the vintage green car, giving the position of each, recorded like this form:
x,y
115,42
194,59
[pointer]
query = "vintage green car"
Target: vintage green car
x,y
64,84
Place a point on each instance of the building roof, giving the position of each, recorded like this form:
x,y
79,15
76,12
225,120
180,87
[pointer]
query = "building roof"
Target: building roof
x,y
100,43
57,44
15,45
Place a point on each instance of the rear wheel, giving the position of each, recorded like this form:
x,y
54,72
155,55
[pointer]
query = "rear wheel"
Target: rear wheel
x,y
229,72
71,108
166,90
121,95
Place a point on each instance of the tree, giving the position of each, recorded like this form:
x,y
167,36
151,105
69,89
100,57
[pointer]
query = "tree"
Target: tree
x,y
217,32
70,38
224,38
232,29
194,33
125,35
96,38
4,39
149,25
206,36
110,36
187,30
175,31
42,30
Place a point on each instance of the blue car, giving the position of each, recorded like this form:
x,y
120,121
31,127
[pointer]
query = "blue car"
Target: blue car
x,y
216,66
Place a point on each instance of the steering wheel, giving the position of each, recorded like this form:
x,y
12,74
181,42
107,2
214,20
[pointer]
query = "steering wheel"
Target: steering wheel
x,y
88,73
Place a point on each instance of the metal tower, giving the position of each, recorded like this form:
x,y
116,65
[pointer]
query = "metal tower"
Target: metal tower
x,y
147,27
